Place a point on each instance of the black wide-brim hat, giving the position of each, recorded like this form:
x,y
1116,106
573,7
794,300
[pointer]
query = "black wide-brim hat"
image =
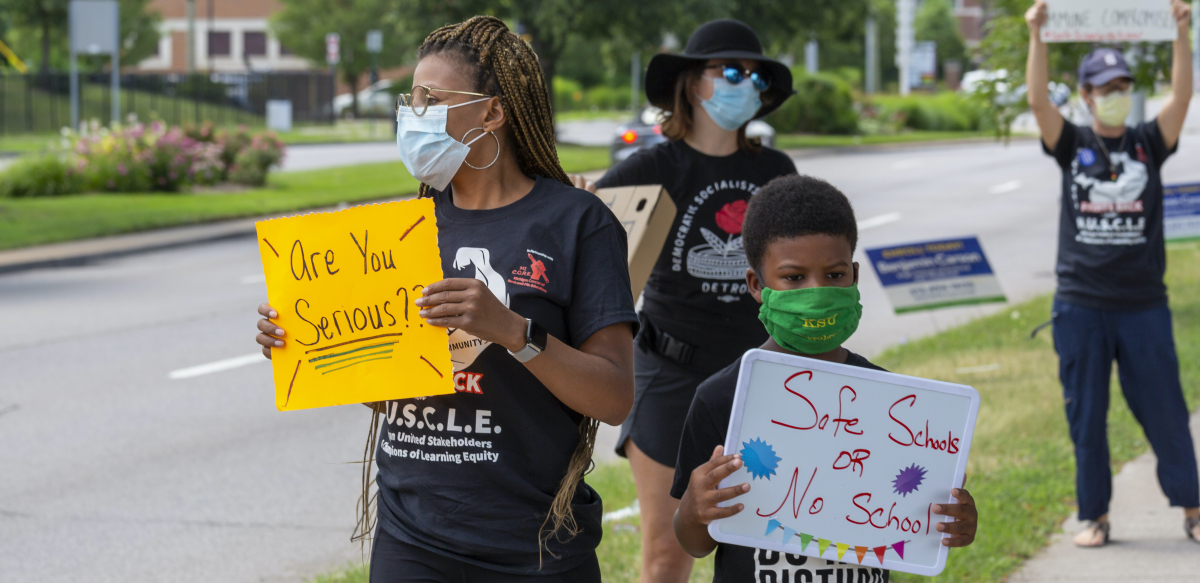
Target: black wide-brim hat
x,y
717,39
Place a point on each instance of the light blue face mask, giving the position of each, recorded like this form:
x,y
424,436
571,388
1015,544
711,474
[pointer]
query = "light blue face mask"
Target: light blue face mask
x,y
429,153
731,106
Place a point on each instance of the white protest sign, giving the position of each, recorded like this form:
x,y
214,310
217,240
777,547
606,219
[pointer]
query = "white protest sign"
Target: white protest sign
x,y
845,463
1109,21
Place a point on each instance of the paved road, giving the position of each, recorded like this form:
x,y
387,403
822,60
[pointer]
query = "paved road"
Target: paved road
x,y
114,472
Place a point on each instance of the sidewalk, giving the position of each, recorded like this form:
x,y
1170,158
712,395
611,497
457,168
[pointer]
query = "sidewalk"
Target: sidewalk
x,y
1148,543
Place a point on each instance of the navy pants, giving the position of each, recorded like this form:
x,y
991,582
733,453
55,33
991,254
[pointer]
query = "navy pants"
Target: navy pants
x,y
1143,345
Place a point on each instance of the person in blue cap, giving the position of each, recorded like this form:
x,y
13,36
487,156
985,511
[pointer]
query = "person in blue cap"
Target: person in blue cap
x,y
1111,302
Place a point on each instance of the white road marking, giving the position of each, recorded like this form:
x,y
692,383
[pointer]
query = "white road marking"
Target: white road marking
x,y
907,164
878,221
627,512
260,278
218,366
1004,187
981,368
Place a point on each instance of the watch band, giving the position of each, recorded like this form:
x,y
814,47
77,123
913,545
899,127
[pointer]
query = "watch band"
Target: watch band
x,y
535,342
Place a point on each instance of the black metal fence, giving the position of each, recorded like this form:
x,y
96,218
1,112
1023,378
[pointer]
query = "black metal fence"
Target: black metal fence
x,y
40,103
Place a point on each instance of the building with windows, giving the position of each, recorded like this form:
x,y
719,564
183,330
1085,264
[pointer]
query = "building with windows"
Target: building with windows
x,y
230,36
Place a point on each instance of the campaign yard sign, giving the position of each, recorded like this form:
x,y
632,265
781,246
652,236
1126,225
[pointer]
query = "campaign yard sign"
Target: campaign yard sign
x,y
1109,21
344,285
935,274
845,463
1181,212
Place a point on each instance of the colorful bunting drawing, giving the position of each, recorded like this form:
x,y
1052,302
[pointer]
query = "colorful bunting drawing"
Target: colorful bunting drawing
x,y
804,540
823,544
760,459
788,534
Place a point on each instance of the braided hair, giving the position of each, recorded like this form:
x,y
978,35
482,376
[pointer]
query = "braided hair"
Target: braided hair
x,y
505,66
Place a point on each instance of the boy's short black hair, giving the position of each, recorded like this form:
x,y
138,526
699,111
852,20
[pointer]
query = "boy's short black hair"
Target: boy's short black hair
x,y
794,206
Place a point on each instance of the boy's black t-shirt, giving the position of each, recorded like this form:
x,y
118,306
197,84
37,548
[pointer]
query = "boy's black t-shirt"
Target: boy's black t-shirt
x,y
1110,236
705,428
697,290
471,475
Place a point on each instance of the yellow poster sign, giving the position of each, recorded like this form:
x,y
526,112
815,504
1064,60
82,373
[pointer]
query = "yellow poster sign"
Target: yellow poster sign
x,y
343,284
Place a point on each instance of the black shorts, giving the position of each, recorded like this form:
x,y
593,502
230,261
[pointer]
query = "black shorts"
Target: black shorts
x,y
395,561
663,391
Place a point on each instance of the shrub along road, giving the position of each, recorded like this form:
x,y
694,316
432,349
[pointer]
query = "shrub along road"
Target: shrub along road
x,y
151,474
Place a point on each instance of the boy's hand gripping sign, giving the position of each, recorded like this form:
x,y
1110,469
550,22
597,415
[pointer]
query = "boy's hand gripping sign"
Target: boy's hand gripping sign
x,y
343,284
845,463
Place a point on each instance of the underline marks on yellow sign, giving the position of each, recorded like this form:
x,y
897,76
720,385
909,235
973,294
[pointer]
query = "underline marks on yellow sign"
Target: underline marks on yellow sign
x,y
352,342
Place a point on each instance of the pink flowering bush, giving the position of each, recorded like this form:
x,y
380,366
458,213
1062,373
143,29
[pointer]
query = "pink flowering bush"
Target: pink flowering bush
x,y
151,157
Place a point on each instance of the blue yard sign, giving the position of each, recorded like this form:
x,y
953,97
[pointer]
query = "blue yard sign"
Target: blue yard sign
x,y
1181,212
935,274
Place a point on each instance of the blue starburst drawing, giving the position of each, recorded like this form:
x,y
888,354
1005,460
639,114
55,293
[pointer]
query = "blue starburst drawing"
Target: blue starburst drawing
x,y
909,479
760,459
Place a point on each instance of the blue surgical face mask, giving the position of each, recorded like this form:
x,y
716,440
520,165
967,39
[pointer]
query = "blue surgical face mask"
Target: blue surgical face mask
x,y
429,153
731,106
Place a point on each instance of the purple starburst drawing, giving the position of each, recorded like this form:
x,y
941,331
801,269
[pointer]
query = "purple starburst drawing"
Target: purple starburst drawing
x,y
909,479
759,458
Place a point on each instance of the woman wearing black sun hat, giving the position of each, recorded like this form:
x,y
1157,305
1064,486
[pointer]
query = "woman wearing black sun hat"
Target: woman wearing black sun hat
x,y
697,315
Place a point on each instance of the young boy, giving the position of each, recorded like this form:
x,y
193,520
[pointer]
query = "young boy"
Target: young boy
x,y
799,234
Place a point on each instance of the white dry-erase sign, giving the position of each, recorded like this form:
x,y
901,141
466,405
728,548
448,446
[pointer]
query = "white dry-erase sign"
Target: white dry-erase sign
x,y
845,463
1109,21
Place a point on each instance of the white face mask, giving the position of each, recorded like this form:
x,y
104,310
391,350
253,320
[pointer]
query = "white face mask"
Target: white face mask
x,y
1112,109
429,153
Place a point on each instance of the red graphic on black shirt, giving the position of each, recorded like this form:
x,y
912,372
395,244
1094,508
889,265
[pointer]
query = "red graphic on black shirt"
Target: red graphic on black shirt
x,y
731,217
533,276
468,382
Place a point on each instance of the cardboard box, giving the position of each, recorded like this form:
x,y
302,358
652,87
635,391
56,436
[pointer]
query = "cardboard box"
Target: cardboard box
x,y
647,213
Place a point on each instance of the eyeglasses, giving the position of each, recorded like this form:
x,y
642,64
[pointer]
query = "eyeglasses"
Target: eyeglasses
x,y
735,74
418,100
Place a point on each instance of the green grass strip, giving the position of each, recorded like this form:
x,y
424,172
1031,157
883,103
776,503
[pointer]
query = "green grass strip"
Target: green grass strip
x,y
952,303
354,363
388,351
350,351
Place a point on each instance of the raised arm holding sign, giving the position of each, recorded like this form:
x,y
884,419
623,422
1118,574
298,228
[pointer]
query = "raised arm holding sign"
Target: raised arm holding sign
x,y
1111,263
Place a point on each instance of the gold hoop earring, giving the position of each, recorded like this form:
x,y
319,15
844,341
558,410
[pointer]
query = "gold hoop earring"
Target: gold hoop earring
x,y
497,138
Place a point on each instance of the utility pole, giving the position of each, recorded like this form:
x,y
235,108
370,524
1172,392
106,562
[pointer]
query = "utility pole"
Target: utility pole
x,y
905,40
871,82
191,36
812,61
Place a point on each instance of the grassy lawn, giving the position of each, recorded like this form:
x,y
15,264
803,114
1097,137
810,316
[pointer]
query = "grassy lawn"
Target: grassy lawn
x,y
1021,469
798,141
34,221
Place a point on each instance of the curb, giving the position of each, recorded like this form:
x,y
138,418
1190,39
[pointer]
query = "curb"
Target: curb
x,y
876,148
80,252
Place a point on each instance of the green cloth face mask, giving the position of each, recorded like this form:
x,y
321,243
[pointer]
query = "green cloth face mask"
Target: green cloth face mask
x,y
812,320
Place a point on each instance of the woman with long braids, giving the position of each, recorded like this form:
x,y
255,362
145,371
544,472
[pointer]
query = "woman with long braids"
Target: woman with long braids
x,y
540,320
697,314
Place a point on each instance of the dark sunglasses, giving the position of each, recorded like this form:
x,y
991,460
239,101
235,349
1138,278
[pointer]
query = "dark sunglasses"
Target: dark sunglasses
x,y
761,79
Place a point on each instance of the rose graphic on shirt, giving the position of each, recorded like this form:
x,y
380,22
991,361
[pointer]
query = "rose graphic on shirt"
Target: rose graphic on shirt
x,y
721,258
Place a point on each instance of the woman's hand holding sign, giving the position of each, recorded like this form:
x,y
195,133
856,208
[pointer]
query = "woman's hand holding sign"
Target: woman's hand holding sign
x,y
468,305
269,335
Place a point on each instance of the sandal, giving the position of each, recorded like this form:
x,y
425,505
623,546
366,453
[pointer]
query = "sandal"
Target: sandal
x,y
1093,527
1189,526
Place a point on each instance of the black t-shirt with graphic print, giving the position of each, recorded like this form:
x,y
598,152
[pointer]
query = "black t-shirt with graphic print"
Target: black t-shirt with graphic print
x,y
471,475
1110,236
705,428
697,290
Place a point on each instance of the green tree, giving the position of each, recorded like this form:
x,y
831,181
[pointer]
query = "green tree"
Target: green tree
x,y
303,24
40,26
935,22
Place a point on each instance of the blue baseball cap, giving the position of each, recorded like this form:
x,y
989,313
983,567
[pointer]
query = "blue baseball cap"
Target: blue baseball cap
x,y
1103,65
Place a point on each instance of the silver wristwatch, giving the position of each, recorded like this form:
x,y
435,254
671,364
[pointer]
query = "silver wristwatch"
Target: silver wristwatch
x,y
535,342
